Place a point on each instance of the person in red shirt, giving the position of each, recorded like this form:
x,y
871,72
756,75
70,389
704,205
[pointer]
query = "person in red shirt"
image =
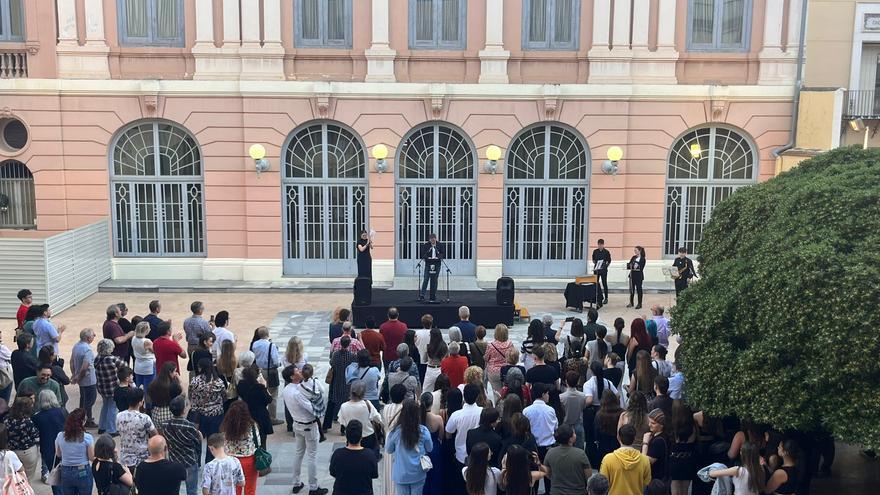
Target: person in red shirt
x,y
166,348
393,331
454,365
26,298
373,342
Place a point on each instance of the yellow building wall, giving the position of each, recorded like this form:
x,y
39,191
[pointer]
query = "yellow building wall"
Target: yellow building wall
x,y
819,119
829,42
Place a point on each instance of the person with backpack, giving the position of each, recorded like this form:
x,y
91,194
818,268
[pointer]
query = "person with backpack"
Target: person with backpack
x,y
298,396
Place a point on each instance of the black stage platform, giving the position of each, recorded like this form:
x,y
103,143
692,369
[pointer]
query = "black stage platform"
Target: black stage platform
x,y
484,311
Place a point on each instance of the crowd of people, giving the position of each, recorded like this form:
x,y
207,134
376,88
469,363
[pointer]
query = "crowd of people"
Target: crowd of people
x,y
575,408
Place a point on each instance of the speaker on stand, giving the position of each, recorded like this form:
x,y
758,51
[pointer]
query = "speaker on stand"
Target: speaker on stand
x,y
363,291
504,291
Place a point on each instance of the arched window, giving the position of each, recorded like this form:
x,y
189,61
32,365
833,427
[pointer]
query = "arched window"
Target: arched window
x,y
705,165
156,176
436,193
547,191
18,208
325,199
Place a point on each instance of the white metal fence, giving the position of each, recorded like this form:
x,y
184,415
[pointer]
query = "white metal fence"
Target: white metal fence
x,y
61,270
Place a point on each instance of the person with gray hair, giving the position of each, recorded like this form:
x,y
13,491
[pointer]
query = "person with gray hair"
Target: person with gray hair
x,y
550,335
82,373
598,485
347,331
405,377
362,410
112,330
49,421
468,329
454,364
455,335
106,366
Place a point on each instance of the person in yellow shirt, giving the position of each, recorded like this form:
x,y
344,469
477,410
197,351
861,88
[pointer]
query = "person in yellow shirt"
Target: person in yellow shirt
x,y
627,469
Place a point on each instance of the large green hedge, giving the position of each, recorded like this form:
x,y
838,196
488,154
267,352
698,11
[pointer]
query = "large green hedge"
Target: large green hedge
x,y
784,325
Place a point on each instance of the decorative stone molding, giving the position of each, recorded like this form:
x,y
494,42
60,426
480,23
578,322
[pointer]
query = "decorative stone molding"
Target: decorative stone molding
x,y
149,104
6,113
32,47
322,104
551,101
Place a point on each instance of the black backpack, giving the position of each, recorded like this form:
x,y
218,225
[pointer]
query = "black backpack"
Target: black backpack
x,y
576,352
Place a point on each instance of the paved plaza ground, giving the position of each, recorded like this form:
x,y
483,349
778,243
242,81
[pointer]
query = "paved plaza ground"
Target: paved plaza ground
x,y
307,315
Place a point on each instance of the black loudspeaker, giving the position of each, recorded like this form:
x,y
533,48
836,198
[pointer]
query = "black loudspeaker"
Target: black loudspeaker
x,y
363,291
504,291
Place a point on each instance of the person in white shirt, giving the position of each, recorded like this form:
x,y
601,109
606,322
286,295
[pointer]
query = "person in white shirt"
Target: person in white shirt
x,y
544,422
423,336
305,428
363,411
465,419
221,333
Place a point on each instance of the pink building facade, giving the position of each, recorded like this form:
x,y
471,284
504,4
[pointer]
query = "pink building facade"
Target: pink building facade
x,y
143,111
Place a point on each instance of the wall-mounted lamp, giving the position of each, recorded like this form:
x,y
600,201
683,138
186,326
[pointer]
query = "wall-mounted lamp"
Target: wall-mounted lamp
x,y
493,153
858,125
380,153
258,154
610,166
696,150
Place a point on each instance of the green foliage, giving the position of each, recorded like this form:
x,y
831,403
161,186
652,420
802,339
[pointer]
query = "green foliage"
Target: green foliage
x,y
784,327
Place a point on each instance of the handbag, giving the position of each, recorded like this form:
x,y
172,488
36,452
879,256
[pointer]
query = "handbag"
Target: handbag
x,y
262,457
272,380
426,463
54,476
13,482
378,427
5,376
329,379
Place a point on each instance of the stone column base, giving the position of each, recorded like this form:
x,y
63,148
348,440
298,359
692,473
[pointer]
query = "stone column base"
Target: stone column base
x,y
777,68
493,66
83,62
654,67
380,64
610,66
214,63
264,63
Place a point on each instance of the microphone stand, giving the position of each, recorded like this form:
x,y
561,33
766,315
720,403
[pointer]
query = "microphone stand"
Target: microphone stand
x,y
416,269
448,271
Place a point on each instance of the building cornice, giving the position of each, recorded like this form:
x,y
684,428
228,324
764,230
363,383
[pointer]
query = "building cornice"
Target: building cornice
x,y
361,90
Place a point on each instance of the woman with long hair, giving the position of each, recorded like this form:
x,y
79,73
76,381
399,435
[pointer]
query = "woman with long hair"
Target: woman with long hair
x,y
655,445
605,424
575,344
474,375
294,354
165,387
226,361
50,421
206,342
512,404
76,449
107,471
520,469
496,356
534,337
618,339
784,481
682,450
479,477
748,477
253,392
520,434
636,267
144,357
207,393
436,351
242,437
339,387
24,437
434,423
636,414
364,257
409,440
441,390
593,390
643,378
390,418
639,340
599,348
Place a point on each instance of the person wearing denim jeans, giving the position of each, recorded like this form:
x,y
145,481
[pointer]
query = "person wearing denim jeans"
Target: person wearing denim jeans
x,y
305,428
184,443
106,368
82,373
75,448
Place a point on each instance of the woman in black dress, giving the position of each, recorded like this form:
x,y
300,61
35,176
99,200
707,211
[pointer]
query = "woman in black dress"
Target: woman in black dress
x,y
636,267
364,258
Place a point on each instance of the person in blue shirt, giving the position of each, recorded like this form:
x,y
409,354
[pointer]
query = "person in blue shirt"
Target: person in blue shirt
x,y
676,382
409,441
45,331
268,359
468,329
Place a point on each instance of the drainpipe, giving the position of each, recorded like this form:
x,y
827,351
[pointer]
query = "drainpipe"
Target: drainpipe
x,y
798,84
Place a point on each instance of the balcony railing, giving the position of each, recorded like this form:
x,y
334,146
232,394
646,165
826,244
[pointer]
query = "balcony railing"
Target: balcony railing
x,y
862,103
13,63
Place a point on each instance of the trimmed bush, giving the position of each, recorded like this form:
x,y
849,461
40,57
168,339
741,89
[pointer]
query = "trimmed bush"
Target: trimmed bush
x,y
784,327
